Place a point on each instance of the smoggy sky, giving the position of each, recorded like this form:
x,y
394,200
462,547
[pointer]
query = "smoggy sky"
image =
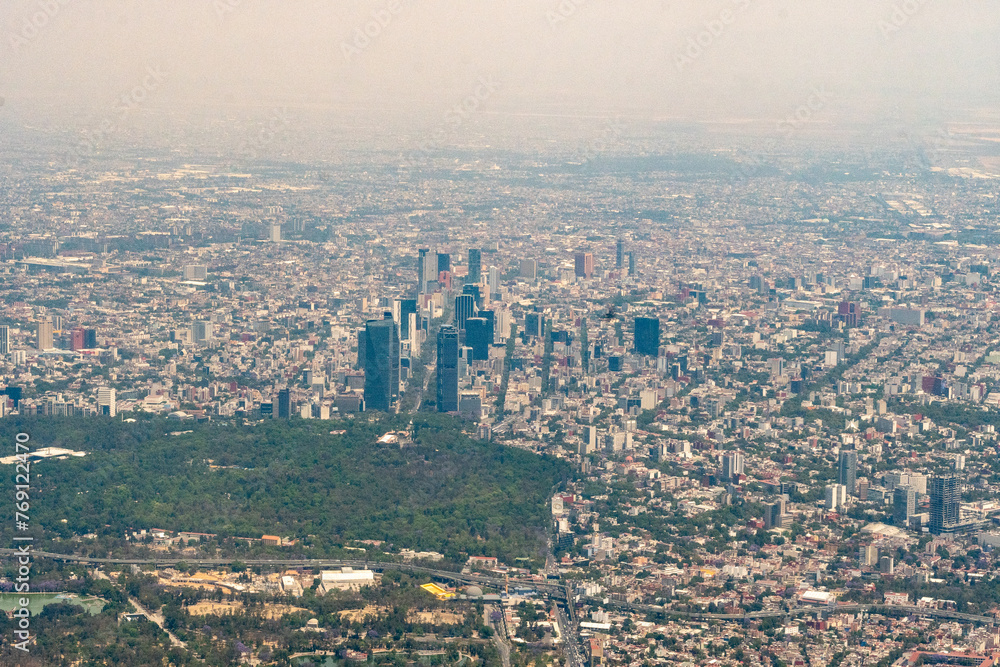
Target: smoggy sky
x,y
718,60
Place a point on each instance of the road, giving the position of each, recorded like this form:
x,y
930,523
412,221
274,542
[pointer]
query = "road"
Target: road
x,y
159,620
428,370
555,591
571,642
552,589
496,620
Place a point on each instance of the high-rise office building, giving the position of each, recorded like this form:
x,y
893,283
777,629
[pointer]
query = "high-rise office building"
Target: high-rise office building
x,y
835,495
444,262
465,307
647,336
275,234
76,339
904,505
90,339
475,265
477,337
4,340
284,404
534,324
528,269
196,272
473,290
201,332
381,364
733,464
447,369
491,321
620,254
402,309
44,335
774,514
493,282
847,470
584,265
946,496
106,404
424,260
631,263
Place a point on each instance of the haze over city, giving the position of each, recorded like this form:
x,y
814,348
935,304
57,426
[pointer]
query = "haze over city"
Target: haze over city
x,y
548,333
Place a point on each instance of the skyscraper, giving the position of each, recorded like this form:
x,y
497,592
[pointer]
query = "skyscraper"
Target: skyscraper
x,y
475,265
534,324
403,308
444,262
620,254
647,336
478,337
284,404
106,404
631,263
44,330
584,264
847,470
76,339
4,340
381,364
946,495
733,464
493,281
423,266
528,269
473,289
491,322
904,505
465,307
447,369
275,233
774,514
195,272
90,339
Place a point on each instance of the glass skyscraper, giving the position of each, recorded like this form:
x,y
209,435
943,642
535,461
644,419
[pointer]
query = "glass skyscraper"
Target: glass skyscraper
x,y
381,364
447,369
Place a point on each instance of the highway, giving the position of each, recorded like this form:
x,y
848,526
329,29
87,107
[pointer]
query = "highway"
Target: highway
x,y
555,591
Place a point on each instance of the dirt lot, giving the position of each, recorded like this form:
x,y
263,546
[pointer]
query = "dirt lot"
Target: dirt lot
x,y
271,611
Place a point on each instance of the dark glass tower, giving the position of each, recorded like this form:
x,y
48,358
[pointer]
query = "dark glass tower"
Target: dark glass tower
x,y
475,265
946,495
647,336
406,308
444,262
847,470
381,364
620,254
447,369
284,404
465,307
477,337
